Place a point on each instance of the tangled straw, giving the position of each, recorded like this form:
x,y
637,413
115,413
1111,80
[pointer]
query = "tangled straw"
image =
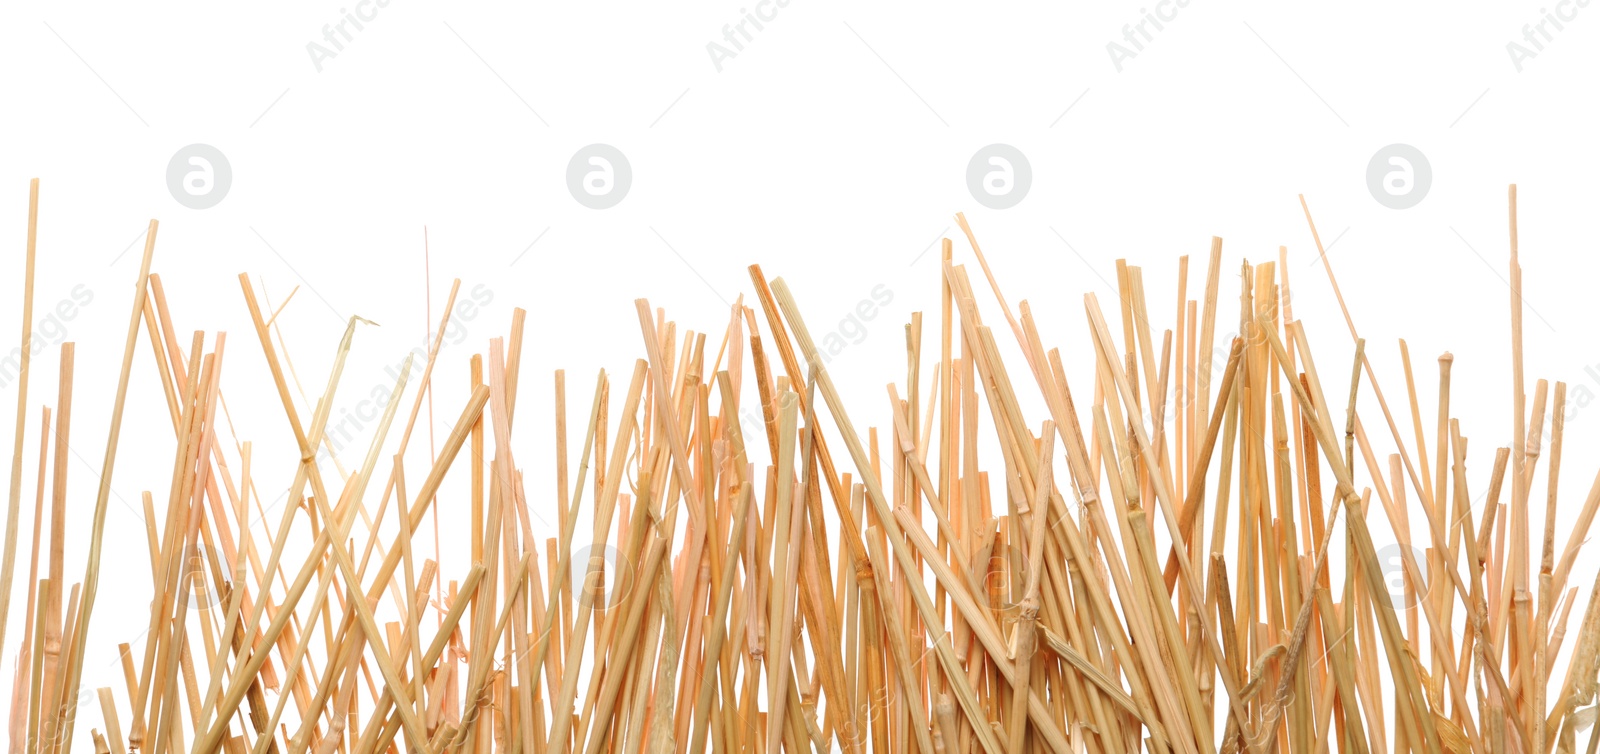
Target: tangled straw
x,y
878,601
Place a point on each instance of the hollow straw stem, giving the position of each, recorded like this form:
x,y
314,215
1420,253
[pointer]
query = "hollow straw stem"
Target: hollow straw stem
x,y
8,561
91,578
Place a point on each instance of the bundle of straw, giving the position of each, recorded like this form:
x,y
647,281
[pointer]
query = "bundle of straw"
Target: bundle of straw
x,y
1154,564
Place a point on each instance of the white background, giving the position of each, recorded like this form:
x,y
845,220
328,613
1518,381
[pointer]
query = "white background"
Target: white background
x,y
832,150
